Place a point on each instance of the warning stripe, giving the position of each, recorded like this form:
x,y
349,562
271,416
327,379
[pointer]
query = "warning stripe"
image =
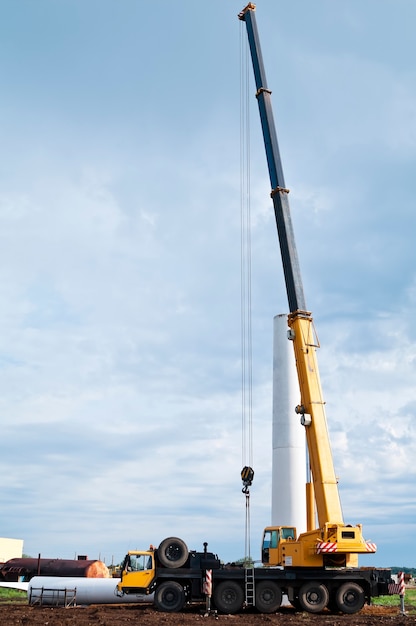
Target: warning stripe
x,y
371,547
323,547
399,587
208,582
401,583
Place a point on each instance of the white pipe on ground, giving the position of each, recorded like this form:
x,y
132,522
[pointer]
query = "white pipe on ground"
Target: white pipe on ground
x,y
58,591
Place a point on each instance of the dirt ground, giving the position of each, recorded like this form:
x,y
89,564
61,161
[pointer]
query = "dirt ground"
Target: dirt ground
x,y
145,615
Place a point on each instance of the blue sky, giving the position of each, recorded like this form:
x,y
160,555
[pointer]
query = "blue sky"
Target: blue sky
x,y
120,386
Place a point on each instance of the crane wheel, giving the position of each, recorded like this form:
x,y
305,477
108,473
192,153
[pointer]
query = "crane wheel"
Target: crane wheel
x,y
313,597
173,552
268,596
228,597
350,598
170,597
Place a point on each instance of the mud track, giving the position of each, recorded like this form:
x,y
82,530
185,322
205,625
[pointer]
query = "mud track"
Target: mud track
x,y
144,615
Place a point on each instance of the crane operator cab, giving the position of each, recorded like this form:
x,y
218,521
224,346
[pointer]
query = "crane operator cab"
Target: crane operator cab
x,y
273,537
138,572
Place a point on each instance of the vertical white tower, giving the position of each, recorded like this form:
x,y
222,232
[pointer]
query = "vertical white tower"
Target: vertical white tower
x,y
289,448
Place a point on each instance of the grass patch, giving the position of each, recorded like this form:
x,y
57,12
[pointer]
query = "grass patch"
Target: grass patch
x,y
409,601
12,595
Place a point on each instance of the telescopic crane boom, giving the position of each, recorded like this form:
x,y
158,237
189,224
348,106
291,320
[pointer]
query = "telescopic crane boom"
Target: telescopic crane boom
x,y
333,542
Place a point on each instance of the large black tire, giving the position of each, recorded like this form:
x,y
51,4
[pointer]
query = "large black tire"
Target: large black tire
x,y
172,552
228,597
313,597
268,596
350,598
170,597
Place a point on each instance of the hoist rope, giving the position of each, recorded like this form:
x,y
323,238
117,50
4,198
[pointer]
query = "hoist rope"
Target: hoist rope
x,y
246,293
245,268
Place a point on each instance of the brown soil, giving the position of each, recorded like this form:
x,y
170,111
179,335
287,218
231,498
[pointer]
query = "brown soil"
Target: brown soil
x,y
112,615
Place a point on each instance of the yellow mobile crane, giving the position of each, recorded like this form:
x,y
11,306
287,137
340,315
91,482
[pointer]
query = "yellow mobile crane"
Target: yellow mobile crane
x,y
330,543
316,569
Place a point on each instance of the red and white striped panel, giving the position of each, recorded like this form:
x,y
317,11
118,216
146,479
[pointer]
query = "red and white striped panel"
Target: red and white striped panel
x,y
323,547
208,583
401,583
399,587
371,547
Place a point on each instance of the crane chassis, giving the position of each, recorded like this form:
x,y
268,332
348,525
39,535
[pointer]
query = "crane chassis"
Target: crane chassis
x,y
178,577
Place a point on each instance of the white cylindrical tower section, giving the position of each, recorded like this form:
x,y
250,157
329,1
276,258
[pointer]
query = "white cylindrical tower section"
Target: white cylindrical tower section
x,y
289,448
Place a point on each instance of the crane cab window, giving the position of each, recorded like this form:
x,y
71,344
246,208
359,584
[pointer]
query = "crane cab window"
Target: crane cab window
x,y
138,562
270,539
288,533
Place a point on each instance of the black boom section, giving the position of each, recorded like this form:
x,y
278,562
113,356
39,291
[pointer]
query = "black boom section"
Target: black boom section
x,y
291,269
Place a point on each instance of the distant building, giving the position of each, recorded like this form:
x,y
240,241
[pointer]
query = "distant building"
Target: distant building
x,y
10,549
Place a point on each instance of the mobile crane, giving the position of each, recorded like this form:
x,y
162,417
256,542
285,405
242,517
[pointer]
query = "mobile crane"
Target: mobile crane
x,y
332,543
319,568
175,576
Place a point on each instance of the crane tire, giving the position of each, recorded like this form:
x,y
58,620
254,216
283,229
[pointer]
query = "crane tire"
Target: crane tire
x,y
350,598
172,552
228,597
268,596
313,597
170,597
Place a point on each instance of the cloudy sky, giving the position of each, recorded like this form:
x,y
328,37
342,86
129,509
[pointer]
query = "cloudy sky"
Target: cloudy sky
x,y
120,385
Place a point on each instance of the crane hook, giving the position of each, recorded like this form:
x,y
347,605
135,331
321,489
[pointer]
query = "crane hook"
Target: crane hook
x,y
247,475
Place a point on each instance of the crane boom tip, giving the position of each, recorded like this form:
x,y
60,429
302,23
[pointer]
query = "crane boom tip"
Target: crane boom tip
x,y
250,7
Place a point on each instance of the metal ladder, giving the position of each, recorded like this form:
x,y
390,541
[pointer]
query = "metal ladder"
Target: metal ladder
x,y
250,599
